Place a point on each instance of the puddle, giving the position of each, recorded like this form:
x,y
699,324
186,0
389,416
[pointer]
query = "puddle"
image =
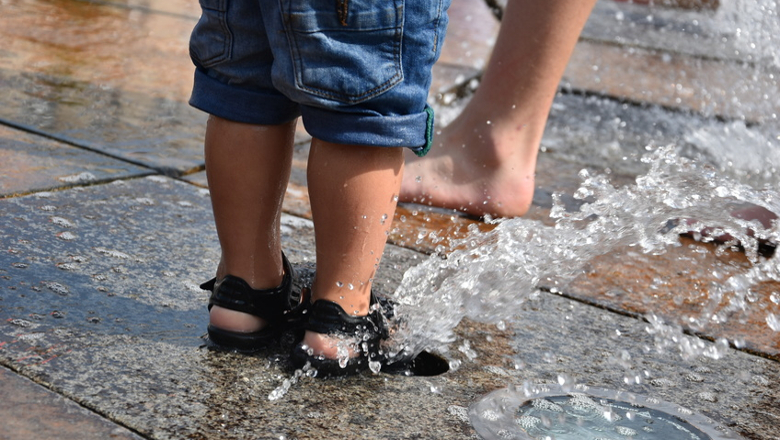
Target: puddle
x,y
559,412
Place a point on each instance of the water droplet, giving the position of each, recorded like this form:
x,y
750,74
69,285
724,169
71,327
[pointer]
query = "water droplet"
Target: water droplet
x,y
20,322
773,321
57,288
66,266
78,178
66,236
628,432
60,221
112,253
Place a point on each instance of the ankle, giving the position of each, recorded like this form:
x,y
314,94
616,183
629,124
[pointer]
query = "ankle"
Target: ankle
x,y
354,300
266,277
486,145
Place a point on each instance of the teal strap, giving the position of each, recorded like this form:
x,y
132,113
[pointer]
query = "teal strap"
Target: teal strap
x,y
428,134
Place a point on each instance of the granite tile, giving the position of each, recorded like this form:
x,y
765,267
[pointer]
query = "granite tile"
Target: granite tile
x,y
30,163
30,411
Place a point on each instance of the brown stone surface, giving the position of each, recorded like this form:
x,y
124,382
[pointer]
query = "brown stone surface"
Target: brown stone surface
x,y
712,87
470,36
112,79
680,284
109,46
186,8
29,411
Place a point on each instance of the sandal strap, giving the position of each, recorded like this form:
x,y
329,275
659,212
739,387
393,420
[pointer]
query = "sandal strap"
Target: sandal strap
x,y
327,317
272,304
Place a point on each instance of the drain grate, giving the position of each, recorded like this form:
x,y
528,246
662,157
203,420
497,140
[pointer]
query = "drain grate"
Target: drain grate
x,y
576,413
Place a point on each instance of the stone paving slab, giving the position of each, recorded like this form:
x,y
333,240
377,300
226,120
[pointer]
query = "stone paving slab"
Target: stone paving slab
x,y
686,59
679,284
112,79
596,348
33,163
110,317
692,60
98,287
30,411
711,87
699,33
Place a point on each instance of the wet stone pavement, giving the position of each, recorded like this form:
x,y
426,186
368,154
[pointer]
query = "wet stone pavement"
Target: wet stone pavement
x,y
106,232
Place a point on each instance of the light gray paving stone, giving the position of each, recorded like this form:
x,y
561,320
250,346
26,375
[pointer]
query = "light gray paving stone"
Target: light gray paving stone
x,y
30,411
33,163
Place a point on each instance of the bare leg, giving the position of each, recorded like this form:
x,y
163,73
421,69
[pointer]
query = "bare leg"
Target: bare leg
x,y
353,191
248,167
484,162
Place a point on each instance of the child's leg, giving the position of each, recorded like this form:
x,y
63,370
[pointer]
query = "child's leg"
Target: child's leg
x,y
248,167
353,191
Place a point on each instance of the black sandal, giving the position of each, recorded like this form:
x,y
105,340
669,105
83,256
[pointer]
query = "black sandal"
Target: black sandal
x,y
328,318
278,306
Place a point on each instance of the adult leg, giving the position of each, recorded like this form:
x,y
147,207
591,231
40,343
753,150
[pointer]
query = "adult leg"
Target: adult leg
x,y
248,167
484,162
353,192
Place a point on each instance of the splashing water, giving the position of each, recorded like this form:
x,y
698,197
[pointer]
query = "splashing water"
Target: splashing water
x,y
490,275
755,25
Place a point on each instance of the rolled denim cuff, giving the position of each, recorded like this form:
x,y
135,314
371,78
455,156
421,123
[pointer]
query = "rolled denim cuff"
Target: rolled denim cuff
x,y
241,105
413,131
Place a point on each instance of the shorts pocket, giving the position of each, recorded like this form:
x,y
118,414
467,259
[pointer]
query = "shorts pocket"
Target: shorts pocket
x,y
345,50
211,41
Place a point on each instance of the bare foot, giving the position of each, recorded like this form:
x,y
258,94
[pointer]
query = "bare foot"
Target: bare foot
x,y
329,346
234,321
477,171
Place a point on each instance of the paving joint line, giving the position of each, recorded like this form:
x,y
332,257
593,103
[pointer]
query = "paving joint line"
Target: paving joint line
x,y
94,411
84,146
641,317
688,54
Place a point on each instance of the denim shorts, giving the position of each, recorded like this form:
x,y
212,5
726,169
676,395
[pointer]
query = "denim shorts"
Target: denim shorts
x,y
356,71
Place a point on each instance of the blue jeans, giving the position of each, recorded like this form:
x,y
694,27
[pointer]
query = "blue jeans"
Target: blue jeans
x,y
356,71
